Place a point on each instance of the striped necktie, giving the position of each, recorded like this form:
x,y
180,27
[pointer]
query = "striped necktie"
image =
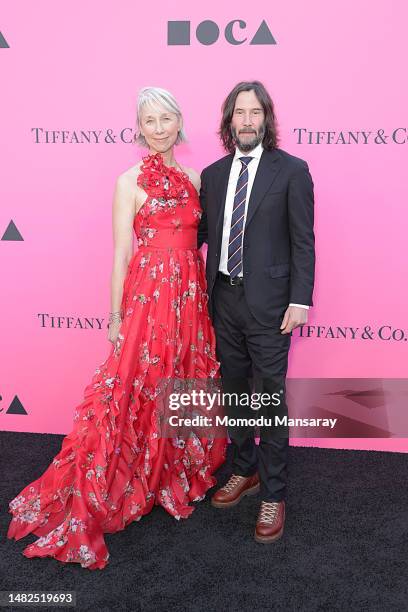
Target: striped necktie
x,y
234,263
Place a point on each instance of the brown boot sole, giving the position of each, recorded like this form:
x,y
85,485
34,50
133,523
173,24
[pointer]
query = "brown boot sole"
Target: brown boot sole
x,y
268,539
252,491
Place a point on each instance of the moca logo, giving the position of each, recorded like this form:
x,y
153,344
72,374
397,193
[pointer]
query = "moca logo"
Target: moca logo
x,y
208,32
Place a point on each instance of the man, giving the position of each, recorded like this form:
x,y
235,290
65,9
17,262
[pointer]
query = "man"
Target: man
x,y
258,212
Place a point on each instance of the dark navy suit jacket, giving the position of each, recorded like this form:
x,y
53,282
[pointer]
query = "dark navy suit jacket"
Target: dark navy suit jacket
x,y
278,243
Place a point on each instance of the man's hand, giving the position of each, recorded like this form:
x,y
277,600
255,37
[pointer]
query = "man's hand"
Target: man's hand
x,y
294,316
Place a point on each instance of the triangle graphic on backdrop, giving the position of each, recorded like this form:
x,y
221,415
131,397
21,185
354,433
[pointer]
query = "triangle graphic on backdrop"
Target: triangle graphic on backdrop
x,y
12,232
16,407
3,42
263,36
369,398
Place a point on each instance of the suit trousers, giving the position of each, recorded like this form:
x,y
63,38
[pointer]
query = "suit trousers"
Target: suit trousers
x,y
254,359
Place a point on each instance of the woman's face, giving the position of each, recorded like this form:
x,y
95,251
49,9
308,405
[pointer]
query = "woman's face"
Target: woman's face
x,y
159,127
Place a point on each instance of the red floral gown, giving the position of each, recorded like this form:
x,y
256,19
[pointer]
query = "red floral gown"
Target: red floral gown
x,y
114,466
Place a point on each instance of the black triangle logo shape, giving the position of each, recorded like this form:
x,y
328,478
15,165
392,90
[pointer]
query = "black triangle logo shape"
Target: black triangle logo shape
x,y
12,232
263,36
16,407
3,42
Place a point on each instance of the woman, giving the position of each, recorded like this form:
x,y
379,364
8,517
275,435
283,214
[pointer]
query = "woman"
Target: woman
x,y
114,465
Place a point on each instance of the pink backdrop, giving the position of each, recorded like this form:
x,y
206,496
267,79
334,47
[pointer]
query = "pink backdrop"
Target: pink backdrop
x,y
78,66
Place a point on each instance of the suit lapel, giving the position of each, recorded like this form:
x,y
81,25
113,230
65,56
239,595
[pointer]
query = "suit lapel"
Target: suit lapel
x,y
222,186
268,169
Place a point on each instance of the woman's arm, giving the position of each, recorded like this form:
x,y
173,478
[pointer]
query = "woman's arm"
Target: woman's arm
x,y
123,213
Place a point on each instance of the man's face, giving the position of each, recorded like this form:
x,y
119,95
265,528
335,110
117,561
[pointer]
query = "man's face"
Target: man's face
x,y
247,123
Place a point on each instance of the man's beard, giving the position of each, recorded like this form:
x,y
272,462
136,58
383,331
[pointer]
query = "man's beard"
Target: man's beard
x,y
250,144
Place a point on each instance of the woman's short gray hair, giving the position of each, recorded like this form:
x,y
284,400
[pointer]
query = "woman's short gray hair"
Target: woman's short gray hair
x,y
153,96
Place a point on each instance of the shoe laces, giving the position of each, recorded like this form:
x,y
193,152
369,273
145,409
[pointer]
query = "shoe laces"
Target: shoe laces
x,y
268,512
234,480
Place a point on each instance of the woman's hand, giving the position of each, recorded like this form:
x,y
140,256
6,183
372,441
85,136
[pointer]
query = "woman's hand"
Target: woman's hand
x,y
113,331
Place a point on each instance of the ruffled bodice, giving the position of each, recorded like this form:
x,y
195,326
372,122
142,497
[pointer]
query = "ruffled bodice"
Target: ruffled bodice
x,y
170,215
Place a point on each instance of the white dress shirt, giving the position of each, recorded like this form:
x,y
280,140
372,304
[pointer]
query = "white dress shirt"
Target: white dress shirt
x,y
229,202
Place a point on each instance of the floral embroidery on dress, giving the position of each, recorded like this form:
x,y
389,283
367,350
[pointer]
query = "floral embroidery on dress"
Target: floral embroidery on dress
x,y
111,469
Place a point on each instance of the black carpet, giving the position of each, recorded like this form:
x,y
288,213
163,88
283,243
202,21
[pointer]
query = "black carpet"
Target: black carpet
x,y
345,545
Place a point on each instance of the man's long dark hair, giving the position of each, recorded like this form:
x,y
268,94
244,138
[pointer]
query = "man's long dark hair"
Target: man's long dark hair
x,y
270,139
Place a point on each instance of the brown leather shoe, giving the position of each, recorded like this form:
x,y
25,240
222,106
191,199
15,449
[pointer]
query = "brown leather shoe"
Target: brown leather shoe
x,y
232,492
270,523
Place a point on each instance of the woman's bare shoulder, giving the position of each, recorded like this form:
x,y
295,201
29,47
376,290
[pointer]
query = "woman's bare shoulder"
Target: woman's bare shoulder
x,y
131,173
127,181
194,177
